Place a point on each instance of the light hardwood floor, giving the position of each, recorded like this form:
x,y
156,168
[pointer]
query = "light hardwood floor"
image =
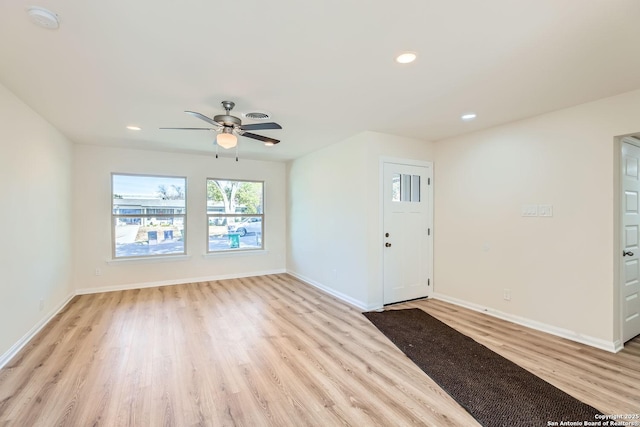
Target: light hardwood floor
x,y
267,351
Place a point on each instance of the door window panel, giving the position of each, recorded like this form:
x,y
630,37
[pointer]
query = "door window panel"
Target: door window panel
x,y
405,188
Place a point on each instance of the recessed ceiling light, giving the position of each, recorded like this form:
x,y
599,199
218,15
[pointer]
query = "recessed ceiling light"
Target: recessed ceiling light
x,y
468,116
43,18
406,58
134,128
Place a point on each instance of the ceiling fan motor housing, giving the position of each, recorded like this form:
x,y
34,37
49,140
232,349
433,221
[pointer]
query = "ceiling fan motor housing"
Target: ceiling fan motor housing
x,y
227,120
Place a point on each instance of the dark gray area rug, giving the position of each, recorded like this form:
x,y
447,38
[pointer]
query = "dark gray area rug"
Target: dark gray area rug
x,y
494,390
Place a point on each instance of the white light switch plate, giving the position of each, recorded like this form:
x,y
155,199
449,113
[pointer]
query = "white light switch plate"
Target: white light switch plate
x,y
545,210
529,210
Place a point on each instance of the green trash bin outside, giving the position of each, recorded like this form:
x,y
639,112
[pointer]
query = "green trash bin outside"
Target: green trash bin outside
x,y
234,240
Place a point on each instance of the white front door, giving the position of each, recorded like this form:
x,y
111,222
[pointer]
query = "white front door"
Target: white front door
x,y
406,232
630,253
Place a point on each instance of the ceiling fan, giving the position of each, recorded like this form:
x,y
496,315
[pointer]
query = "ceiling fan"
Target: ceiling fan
x,y
228,126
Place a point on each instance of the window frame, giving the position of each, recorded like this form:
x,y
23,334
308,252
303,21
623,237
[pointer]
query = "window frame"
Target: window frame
x,y
209,216
142,215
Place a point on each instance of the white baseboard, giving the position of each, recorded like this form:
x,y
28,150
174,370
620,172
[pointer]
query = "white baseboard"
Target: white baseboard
x,y
9,354
612,347
129,286
343,297
617,346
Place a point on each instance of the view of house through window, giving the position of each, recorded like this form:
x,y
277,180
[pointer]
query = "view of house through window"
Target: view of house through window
x,y
235,215
149,215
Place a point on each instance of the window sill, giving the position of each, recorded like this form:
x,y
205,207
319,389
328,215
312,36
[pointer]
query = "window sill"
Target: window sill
x,y
224,254
151,259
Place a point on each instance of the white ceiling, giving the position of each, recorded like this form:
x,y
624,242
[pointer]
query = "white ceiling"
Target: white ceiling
x,y
325,69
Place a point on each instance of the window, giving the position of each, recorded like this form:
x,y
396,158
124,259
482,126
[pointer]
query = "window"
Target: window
x,y
405,188
148,215
235,215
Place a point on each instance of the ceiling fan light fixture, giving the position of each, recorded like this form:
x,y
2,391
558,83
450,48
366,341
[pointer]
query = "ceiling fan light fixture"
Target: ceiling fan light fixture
x,y
227,139
269,144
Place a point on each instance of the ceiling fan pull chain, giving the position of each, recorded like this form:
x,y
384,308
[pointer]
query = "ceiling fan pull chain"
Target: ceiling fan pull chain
x,y
216,144
237,145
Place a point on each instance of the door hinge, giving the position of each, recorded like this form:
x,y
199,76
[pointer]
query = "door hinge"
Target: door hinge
x,y
428,232
428,181
428,282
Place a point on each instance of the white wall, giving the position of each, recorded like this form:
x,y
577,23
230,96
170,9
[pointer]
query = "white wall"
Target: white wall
x,y
36,248
334,214
560,270
92,218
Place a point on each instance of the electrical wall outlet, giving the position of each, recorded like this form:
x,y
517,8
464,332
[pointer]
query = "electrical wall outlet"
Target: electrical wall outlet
x,y
507,295
98,272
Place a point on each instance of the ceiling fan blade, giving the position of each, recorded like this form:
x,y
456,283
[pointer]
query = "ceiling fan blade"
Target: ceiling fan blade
x,y
261,126
205,118
260,137
188,128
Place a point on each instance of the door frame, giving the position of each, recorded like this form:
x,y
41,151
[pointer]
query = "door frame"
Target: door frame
x,y
430,209
618,296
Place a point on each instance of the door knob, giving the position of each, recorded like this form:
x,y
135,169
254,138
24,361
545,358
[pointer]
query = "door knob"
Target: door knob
x,y
627,253
386,234
388,244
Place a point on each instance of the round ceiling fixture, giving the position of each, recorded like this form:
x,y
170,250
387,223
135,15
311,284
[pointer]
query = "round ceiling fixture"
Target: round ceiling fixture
x,y
468,116
406,58
43,18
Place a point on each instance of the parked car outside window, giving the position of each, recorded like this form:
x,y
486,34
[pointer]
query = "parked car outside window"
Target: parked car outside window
x,y
251,225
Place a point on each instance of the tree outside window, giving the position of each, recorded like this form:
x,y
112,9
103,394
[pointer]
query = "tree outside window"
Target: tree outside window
x,y
235,215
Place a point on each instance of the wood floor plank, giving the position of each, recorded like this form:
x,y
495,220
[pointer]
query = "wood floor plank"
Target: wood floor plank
x,y
268,351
